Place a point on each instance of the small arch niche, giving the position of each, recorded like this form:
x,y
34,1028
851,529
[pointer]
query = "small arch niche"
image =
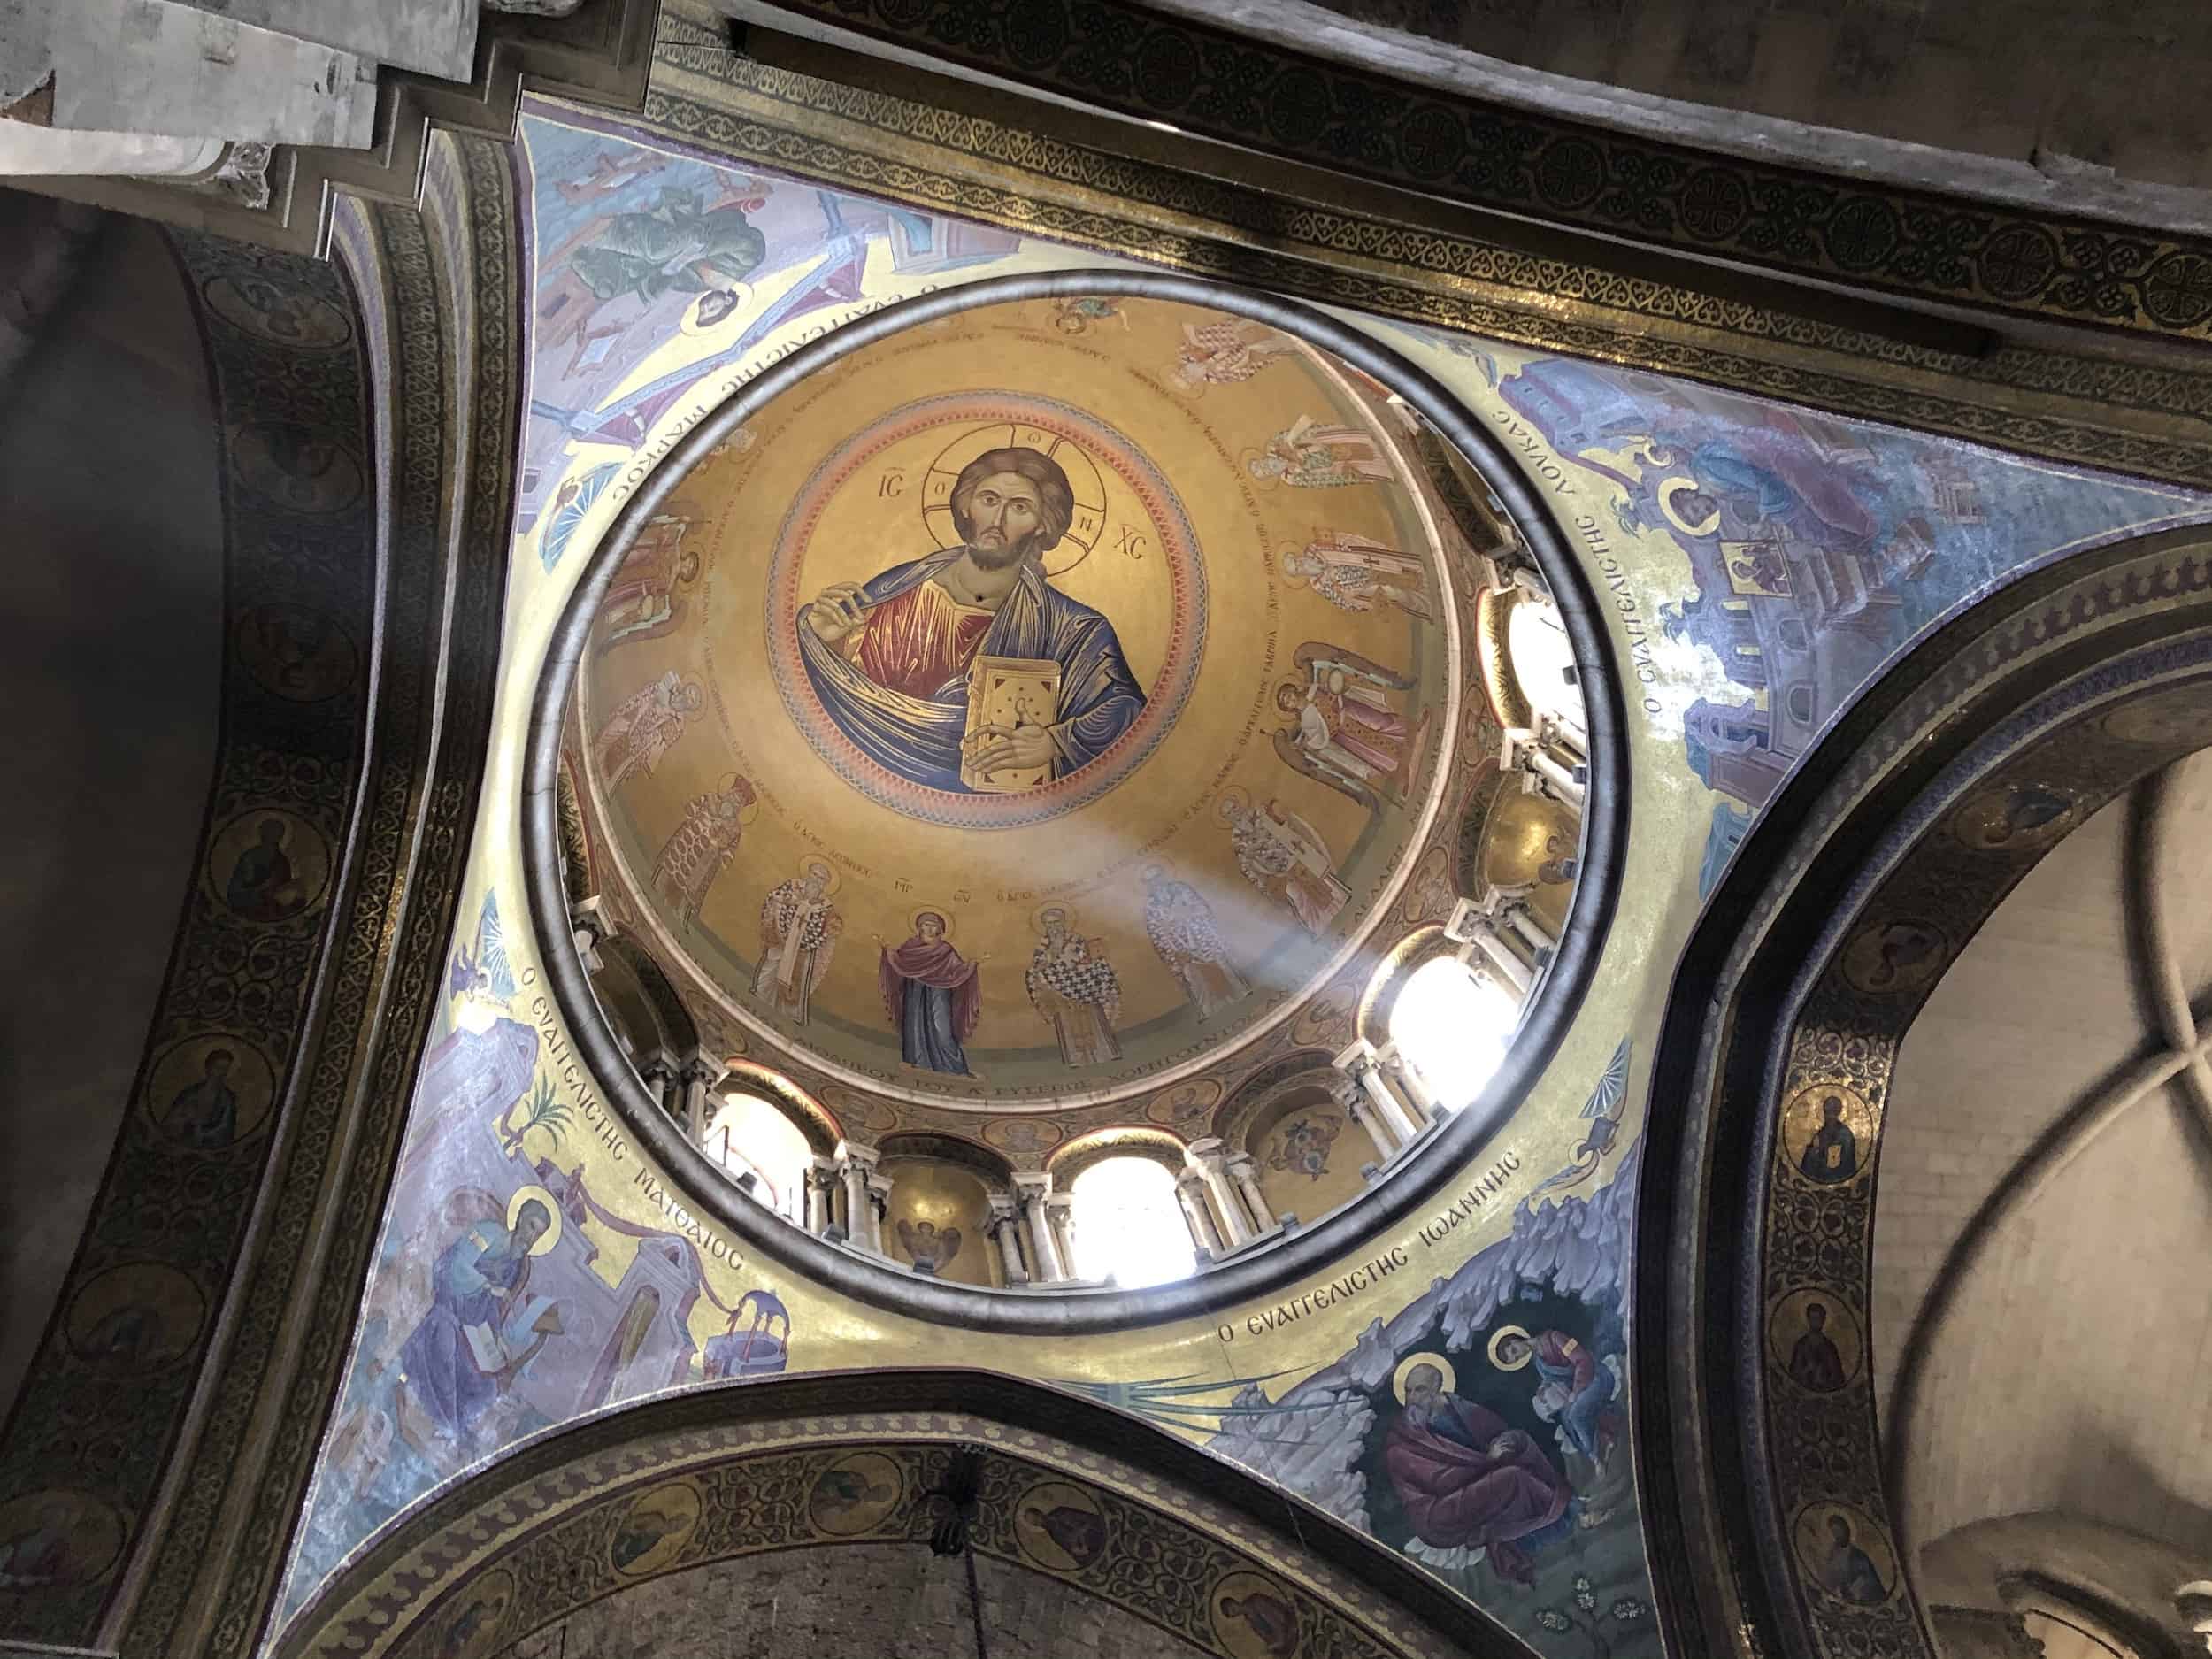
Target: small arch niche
x,y
750,1136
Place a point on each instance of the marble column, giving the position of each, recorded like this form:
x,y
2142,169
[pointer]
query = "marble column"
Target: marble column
x,y
1244,1174
658,1073
1005,1230
1211,1158
1358,1064
1060,1212
854,1166
697,1078
1032,1188
1411,1088
821,1184
878,1211
1518,918
1190,1191
1547,765
1349,1095
588,925
1471,927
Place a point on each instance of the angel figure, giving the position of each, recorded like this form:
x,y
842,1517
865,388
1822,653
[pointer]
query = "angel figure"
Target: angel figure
x,y
644,603
703,846
640,733
928,1247
1285,857
1343,730
1316,455
1228,352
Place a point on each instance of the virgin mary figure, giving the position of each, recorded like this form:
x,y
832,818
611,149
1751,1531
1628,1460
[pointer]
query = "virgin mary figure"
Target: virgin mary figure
x,y
931,994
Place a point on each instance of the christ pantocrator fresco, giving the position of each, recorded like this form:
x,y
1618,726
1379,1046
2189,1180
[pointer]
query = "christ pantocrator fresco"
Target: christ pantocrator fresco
x,y
965,670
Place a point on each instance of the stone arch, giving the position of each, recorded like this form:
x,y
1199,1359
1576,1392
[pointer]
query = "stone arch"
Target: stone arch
x,y
1954,775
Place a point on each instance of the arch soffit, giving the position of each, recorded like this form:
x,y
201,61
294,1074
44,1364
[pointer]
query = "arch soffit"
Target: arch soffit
x,y
1951,778
538,1523
1125,1142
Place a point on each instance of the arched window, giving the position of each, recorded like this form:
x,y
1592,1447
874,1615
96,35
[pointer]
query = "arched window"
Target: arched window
x,y
1452,1028
1129,1224
748,1136
1543,662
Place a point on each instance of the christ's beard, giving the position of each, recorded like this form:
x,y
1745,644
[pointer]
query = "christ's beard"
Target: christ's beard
x,y
1006,553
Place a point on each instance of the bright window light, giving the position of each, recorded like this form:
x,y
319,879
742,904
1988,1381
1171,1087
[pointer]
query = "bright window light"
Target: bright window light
x,y
748,1136
1129,1224
1543,662
1452,1029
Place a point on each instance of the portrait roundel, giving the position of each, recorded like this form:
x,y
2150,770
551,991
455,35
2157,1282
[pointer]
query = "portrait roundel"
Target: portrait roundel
x,y
56,1539
1254,1617
299,654
296,468
1059,1527
654,1529
985,609
1828,1134
1845,1554
1892,958
277,312
135,1319
209,1091
268,865
1813,1338
855,1493
2015,817
2178,719
475,1618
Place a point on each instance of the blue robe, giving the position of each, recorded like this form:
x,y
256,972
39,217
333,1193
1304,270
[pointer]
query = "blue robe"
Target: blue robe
x,y
468,1287
918,738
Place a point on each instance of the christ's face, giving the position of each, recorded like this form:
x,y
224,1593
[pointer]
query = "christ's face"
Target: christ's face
x,y
1004,515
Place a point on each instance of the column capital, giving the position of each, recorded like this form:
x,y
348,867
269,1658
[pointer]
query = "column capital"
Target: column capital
x,y
864,1158
1357,1058
698,1068
1030,1184
879,1194
659,1066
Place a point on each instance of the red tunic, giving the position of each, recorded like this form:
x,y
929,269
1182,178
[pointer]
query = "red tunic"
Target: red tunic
x,y
917,642
1456,1496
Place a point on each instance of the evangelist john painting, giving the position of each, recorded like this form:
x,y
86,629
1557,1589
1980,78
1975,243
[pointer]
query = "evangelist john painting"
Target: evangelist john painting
x,y
965,670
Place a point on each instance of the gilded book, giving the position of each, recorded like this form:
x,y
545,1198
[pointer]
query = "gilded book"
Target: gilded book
x,y
1007,692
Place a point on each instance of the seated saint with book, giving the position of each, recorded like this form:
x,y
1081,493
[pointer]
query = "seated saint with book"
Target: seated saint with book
x,y
965,670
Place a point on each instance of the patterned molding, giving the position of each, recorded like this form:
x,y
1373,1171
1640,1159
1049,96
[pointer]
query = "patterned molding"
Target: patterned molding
x,y
2154,420
1149,1523
105,1411
2013,726
1114,55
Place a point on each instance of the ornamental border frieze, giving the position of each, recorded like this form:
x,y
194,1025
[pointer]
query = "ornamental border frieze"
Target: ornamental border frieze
x,y
271,921
550,1529
2114,645
2036,401
1118,57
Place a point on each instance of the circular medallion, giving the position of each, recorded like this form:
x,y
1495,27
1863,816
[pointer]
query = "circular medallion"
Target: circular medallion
x,y
1828,1134
1892,958
296,468
1846,1554
1059,1527
135,1319
56,1539
1813,1340
299,654
655,1529
853,1494
276,311
268,865
477,1619
2177,719
2015,817
1254,1617
210,1091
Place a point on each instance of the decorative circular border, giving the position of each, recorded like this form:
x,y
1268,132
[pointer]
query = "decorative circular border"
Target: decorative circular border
x,y
1404,1189
1163,700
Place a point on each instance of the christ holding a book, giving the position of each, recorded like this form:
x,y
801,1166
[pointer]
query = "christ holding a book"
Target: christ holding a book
x,y
965,670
